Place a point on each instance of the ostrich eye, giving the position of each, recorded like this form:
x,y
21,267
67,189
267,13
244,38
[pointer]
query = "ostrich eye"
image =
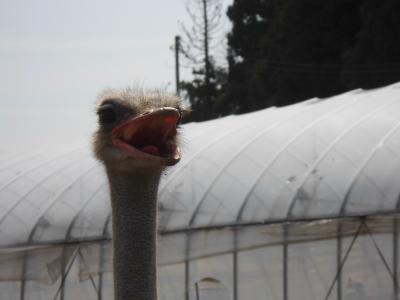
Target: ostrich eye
x,y
106,115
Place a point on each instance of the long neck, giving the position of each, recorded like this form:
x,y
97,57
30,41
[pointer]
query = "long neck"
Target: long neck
x,y
134,215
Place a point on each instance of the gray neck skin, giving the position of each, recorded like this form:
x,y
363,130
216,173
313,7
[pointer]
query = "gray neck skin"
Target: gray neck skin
x,y
134,215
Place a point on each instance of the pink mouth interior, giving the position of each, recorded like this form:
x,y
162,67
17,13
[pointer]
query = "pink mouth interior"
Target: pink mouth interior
x,y
152,134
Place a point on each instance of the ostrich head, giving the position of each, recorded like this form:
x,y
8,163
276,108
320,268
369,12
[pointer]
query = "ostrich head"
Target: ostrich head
x,y
137,130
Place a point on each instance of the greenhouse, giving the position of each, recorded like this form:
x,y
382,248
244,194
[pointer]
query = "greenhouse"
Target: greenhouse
x,y
299,202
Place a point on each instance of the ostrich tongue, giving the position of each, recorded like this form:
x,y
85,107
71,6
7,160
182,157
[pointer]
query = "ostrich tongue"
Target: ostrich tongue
x,y
168,148
150,149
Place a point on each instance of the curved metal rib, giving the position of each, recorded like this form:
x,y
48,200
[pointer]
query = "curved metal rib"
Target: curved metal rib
x,y
364,164
277,155
236,154
326,152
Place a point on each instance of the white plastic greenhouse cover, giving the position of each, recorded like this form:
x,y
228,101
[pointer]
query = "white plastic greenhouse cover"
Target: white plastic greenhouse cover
x,y
318,160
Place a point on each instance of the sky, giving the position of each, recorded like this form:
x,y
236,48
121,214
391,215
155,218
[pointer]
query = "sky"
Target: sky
x,y
57,56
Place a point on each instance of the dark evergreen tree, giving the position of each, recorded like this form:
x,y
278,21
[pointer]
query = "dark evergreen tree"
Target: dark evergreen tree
x,y
250,20
374,59
196,91
284,51
303,50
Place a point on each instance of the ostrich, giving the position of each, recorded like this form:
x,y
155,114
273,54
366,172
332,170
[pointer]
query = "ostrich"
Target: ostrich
x,y
136,139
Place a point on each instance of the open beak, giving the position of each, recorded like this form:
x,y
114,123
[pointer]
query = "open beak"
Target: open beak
x,y
150,136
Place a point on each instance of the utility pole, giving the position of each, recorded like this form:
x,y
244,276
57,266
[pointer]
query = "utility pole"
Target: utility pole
x,y
206,31
177,49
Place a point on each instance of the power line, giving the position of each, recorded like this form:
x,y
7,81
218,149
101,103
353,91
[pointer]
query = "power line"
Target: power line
x,y
322,68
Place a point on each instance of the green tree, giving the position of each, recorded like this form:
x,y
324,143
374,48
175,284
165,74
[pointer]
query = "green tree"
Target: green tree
x,y
374,59
250,20
196,92
304,48
284,51
198,44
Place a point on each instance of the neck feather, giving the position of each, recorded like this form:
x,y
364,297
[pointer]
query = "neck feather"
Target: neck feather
x,y
134,215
